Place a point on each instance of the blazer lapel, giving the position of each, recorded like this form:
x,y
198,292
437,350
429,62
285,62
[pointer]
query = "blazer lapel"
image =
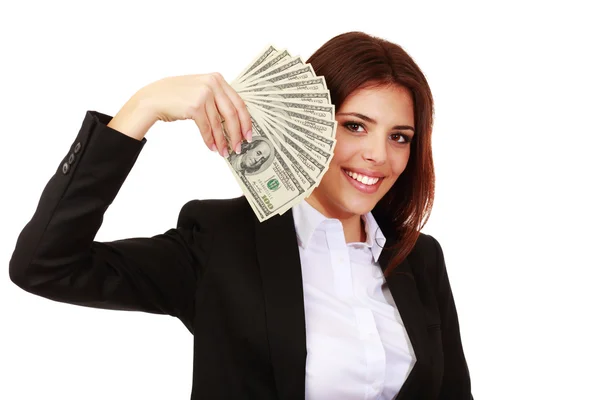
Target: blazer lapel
x,y
279,260
404,290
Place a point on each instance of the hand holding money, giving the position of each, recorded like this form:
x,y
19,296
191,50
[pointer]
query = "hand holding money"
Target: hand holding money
x,y
274,124
207,99
293,126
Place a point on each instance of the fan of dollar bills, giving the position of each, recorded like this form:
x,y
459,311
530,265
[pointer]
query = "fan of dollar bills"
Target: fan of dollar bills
x,y
293,132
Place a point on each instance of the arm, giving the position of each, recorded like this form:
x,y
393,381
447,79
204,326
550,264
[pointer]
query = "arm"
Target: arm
x,y
456,383
55,254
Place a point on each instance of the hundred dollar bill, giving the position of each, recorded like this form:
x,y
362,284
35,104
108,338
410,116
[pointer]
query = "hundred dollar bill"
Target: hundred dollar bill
x,y
326,111
307,148
313,160
263,175
267,52
307,96
316,163
305,72
279,57
313,84
304,161
299,166
302,148
324,126
281,117
304,177
285,65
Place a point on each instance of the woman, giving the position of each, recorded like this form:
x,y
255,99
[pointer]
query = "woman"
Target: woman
x,y
301,308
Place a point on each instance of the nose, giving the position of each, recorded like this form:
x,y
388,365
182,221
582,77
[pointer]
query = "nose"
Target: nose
x,y
375,150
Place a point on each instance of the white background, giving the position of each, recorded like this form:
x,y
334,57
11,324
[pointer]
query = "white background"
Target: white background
x,y
515,141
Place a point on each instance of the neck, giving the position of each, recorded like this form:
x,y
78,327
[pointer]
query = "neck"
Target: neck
x,y
354,229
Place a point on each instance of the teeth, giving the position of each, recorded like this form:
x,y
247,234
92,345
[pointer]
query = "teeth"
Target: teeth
x,y
366,180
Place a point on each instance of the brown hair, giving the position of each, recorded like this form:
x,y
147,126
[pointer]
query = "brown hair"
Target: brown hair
x,y
355,60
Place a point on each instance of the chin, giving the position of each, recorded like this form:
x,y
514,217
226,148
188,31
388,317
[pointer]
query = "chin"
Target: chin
x,y
357,206
358,201
349,202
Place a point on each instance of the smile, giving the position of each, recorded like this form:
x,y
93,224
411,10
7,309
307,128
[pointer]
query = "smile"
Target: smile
x,y
364,179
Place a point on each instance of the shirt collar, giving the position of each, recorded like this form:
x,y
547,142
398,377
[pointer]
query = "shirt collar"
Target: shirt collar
x,y
375,237
307,219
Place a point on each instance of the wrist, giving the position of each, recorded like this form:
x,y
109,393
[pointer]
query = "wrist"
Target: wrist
x,y
135,118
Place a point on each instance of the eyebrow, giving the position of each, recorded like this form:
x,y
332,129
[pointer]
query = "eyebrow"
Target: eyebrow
x,y
372,121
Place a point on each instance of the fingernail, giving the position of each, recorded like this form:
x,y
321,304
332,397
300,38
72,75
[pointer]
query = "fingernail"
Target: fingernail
x,y
214,148
238,148
225,153
248,136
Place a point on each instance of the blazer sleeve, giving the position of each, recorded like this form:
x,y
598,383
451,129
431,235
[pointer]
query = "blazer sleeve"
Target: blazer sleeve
x,y
56,256
456,383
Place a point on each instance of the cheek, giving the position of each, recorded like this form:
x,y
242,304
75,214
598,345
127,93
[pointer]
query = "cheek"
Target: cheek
x,y
344,151
399,162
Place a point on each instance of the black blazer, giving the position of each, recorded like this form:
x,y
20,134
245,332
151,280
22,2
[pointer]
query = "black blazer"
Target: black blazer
x,y
235,283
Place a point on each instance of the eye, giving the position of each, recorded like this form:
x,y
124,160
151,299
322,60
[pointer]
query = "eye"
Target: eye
x,y
353,126
259,153
400,138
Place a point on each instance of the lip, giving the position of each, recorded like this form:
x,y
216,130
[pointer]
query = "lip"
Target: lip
x,y
366,172
361,187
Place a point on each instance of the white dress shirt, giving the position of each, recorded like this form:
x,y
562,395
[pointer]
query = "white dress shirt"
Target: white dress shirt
x,y
358,348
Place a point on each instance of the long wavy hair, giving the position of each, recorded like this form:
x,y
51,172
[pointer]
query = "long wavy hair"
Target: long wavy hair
x,y
355,60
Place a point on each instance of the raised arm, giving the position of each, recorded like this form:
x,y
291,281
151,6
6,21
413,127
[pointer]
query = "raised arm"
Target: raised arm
x,y
56,256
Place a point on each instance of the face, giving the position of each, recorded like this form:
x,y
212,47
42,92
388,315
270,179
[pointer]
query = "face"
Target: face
x,y
256,155
375,127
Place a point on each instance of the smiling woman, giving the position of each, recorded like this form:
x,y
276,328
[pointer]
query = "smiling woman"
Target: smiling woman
x,y
375,126
341,297
378,88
